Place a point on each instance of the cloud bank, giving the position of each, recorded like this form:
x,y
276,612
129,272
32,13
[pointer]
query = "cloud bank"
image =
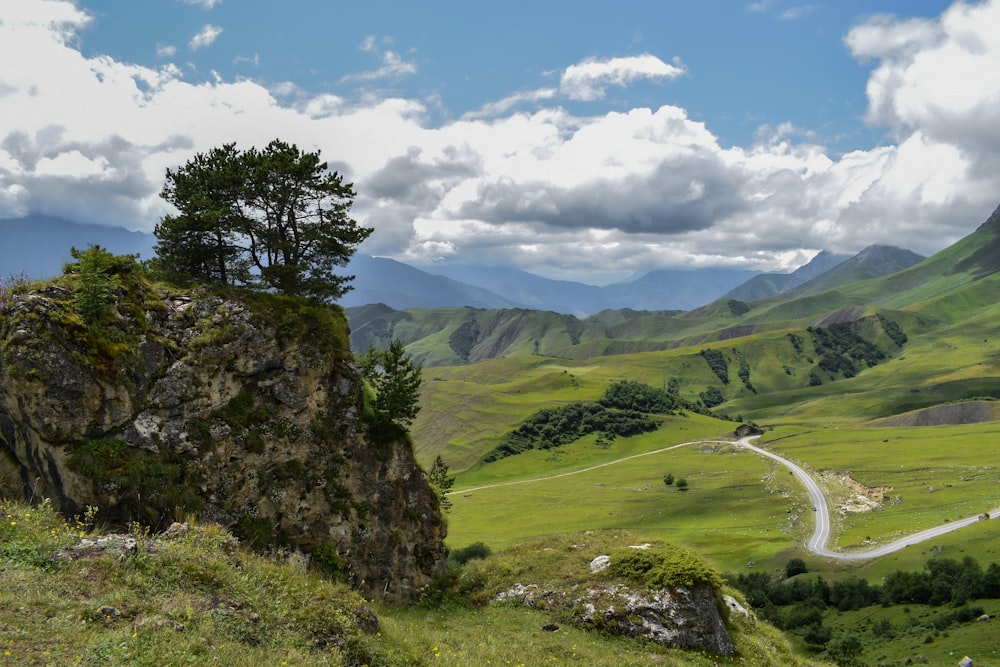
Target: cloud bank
x,y
524,180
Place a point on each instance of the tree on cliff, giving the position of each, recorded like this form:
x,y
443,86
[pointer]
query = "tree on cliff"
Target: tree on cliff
x,y
395,377
274,219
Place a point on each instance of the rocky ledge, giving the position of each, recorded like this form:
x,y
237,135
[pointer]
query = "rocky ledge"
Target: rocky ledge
x,y
243,410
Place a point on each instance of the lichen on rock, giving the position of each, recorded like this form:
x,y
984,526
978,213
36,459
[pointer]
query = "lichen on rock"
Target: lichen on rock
x,y
244,409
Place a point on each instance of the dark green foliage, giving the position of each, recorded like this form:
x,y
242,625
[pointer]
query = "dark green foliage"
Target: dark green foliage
x,y
441,481
851,594
737,308
99,275
717,362
845,651
475,551
795,566
272,219
883,629
943,581
258,533
961,615
796,341
893,330
659,567
396,379
815,380
681,484
712,397
553,427
135,478
817,634
464,337
842,349
744,371
202,242
668,479
330,562
631,395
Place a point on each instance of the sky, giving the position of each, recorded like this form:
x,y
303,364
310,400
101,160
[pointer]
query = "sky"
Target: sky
x,y
574,139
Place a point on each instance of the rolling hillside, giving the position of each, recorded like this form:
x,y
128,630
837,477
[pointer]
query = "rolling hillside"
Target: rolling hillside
x,y
867,350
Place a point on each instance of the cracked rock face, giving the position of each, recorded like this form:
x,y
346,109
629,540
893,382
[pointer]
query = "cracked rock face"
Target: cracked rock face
x,y
198,404
685,617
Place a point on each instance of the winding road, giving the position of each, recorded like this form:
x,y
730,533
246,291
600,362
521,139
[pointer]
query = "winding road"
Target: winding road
x,y
817,543
821,534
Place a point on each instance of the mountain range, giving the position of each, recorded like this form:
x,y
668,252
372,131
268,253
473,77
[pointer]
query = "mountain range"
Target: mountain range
x,y
39,246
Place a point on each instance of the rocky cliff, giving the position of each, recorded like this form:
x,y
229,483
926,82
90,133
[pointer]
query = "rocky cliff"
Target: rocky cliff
x,y
244,410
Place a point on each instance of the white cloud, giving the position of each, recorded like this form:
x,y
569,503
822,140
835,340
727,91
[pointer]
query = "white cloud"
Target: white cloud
x,y
393,65
89,138
205,37
204,4
589,79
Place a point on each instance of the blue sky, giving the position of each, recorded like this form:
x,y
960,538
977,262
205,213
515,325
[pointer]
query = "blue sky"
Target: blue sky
x,y
585,140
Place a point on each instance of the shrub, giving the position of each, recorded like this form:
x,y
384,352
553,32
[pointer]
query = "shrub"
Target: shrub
x,y
475,551
661,567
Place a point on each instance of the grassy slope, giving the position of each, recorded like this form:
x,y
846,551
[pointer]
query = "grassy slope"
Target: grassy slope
x,y
952,354
199,598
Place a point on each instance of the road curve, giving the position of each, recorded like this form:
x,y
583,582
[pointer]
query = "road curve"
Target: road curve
x,y
821,534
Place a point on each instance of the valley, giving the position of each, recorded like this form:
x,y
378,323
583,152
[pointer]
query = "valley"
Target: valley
x,y
887,385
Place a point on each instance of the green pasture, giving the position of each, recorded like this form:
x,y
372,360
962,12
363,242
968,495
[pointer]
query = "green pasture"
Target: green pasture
x,y
740,507
935,474
737,507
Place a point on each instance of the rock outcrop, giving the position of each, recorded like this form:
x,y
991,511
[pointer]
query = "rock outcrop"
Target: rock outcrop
x,y
246,411
685,617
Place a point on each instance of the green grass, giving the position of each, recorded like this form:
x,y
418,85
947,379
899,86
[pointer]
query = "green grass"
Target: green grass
x,y
727,514
190,600
200,598
937,473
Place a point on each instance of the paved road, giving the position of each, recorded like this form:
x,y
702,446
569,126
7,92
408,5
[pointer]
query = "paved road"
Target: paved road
x,y
821,534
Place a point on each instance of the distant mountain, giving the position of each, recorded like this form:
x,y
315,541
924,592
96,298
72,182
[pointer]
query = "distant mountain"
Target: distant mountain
x,y
527,289
673,289
400,286
872,262
943,289
767,284
680,289
39,246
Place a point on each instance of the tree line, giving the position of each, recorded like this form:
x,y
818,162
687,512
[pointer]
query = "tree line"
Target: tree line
x,y
627,408
798,603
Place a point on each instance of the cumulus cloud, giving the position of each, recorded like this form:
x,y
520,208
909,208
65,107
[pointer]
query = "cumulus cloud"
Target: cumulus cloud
x,y
940,77
588,80
205,37
204,4
89,138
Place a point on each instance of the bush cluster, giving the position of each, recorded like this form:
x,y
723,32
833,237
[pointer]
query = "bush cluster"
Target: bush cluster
x,y
554,427
717,362
842,349
799,603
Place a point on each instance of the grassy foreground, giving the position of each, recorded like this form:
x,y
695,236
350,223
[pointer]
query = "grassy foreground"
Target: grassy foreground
x,y
200,598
